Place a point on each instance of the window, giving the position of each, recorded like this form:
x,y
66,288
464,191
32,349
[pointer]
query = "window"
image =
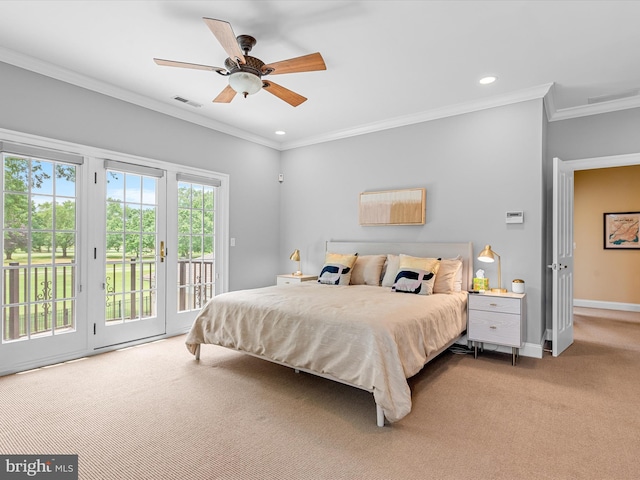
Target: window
x,y
40,233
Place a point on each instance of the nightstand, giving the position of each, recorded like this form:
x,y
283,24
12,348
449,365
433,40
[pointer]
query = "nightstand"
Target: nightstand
x,y
288,278
497,318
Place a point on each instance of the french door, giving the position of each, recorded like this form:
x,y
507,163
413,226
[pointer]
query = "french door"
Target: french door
x,y
99,253
41,274
129,254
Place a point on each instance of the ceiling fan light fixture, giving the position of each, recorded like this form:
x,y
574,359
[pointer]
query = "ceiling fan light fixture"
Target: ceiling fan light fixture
x,y
245,83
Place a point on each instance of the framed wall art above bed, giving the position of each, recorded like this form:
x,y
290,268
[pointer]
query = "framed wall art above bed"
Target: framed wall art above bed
x,y
393,207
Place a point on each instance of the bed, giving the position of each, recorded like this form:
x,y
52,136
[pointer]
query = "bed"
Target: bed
x,y
367,336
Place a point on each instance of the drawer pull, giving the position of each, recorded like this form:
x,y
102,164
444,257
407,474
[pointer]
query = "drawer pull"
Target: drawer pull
x,y
493,304
493,327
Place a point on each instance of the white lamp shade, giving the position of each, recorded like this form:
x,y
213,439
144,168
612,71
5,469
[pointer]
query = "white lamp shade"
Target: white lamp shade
x,y
245,83
487,255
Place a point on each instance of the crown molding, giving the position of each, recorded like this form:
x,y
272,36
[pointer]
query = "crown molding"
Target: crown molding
x,y
74,78
434,114
545,91
555,114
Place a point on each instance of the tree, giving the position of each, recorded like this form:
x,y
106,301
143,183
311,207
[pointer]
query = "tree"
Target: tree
x,y
115,224
21,174
41,225
65,220
16,205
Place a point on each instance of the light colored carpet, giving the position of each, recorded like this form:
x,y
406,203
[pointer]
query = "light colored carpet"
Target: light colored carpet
x,y
153,412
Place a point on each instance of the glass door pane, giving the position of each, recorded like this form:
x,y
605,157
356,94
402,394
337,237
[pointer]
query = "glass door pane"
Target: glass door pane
x,y
40,231
196,254
132,232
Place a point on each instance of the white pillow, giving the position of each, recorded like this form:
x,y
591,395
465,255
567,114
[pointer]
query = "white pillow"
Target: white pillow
x,y
391,270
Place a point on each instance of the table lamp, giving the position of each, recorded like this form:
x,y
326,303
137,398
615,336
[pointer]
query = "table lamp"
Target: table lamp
x,y
295,256
488,256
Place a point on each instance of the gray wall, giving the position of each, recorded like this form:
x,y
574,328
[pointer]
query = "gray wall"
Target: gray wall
x,y
35,104
615,133
475,167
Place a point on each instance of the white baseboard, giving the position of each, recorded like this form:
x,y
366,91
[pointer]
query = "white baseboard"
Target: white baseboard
x,y
627,307
532,350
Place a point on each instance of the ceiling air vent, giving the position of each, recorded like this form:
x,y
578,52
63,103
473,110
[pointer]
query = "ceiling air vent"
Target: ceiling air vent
x,y
613,96
187,101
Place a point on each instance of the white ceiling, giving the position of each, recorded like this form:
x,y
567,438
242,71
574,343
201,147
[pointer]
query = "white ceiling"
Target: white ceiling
x,y
389,63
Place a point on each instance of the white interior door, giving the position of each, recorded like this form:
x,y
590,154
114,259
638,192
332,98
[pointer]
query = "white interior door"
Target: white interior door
x,y
131,249
562,266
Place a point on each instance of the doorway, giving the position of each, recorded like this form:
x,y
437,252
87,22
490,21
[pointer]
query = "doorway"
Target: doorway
x,y
130,235
589,164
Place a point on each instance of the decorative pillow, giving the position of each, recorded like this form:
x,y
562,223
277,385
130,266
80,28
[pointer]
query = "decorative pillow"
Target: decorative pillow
x,y
337,269
457,281
367,270
416,275
390,270
446,276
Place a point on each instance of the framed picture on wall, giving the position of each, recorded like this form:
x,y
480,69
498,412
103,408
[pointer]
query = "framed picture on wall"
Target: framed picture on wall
x,y
621,231
393,207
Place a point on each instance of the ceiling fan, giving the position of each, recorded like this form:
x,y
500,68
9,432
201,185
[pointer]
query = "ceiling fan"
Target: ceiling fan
x,y
245,72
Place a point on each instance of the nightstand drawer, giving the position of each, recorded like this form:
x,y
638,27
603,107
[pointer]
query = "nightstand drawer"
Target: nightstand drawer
x,y
491,303
495,327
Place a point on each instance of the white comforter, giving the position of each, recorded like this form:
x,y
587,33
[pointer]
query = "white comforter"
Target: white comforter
x,y
370,337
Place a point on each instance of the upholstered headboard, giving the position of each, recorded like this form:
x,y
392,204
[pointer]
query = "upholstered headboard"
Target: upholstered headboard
x,y
416,249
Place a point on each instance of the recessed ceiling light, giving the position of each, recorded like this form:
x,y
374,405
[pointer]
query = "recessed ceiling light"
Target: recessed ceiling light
x,y
280,132
488,79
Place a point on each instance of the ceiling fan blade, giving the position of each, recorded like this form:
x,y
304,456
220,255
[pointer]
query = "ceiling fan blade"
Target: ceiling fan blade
x,y
226,95
224,33
196,66
306,63
292,98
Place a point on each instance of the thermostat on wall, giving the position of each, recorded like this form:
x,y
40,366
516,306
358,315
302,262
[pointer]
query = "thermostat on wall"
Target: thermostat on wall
x,y
515,217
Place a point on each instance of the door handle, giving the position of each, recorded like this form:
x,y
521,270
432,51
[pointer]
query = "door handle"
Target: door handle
x,y
557,266
162,253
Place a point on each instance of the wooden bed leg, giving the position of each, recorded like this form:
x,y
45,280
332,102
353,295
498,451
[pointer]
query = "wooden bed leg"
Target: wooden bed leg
x,y
379,416
198,351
